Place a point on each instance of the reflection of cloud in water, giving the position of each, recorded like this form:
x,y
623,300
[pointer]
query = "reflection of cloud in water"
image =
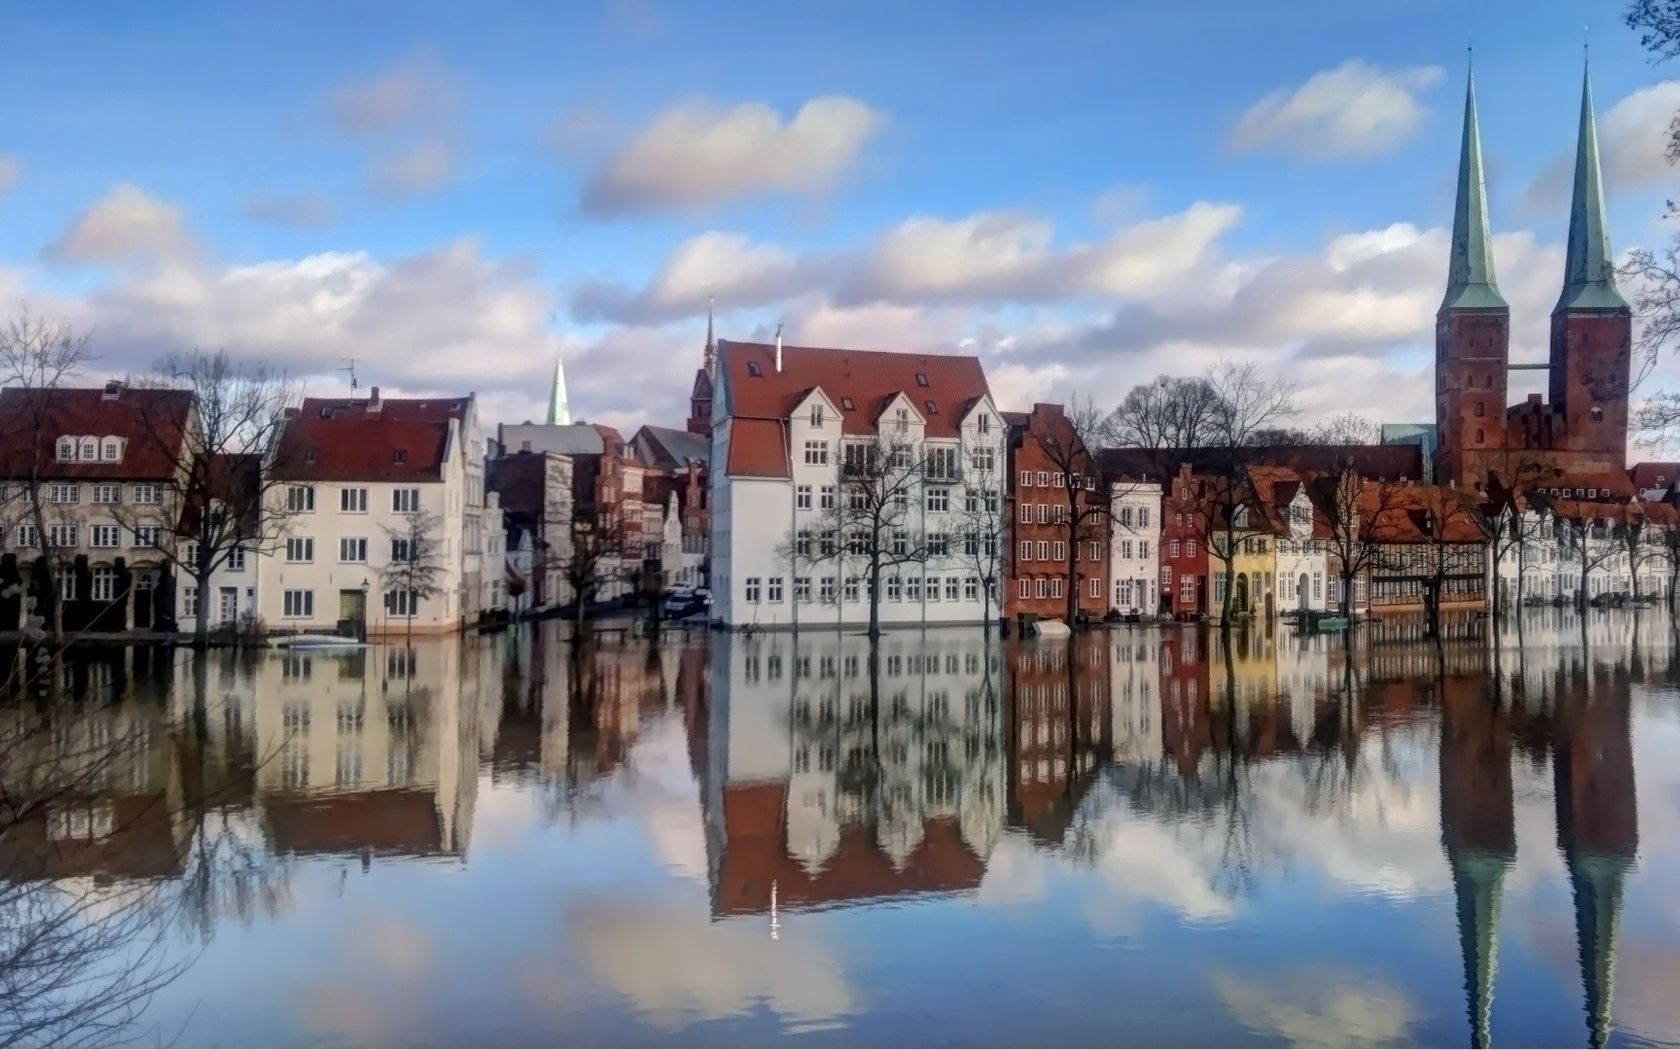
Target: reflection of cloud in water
x,y
1318,1007
390,945
677,967
1015,872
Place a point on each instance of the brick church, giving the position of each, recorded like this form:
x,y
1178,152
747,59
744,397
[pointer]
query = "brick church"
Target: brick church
x,y
1579,426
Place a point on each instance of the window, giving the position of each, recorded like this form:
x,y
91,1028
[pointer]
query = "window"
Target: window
x,y
107,493
148,535
352,501
1026,514
1043,550
352,549
802,589
852,590
300,549
1143,517
90,449
816,452
66,450
1187,589
399,455
65,493
1043,478
775,588
1024,589
235,560
298,604
1095,551
405,501
921,379
802,497
27,536
753,369
300,499
1041,588
942,463
1166,577
825,591
847,404
984,457
817,421
826,497
1026,550
1044,513
403,603
913,588
1174,547
900,543
1318,585
402,549
1060,551
1479,408
1478,435
104,585
933,588
1190,548
1056,587
1143,549
189,601
1026,479
107,536
938,544
894,589
938,499
1096,587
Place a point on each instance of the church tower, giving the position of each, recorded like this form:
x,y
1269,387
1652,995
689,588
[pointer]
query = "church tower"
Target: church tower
x,y
559,405
700,397
1592,327
1472,329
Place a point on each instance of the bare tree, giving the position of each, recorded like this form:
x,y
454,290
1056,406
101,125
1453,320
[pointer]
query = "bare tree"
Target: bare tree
x,y
1590,536
1667,541
415,571
1346,428
38,357
222,508
983,538
1168,413
874,518
1453,544
1351,512
591,556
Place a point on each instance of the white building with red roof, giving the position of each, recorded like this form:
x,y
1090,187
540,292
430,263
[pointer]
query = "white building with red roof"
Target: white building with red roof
x,y
785,421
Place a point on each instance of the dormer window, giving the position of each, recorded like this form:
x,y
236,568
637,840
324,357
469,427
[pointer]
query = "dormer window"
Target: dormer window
x,y
921,379
326,411
932,408
847,404
90,449
311,454
400,456
66,450
110,450
1592,493
753,369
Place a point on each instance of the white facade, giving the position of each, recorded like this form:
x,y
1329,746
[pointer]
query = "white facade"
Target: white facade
x,y
1134,547
1550,563
233,591
1303,563
760,579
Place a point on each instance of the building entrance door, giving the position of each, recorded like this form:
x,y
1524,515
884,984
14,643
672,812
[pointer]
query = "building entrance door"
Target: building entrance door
x,y
227,605
352,613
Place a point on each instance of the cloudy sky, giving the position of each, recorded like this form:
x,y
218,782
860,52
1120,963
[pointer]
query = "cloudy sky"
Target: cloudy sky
x,y
1086,194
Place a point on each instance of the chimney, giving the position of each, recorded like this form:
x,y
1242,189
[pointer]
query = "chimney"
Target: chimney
x,y
113,390
374,404
778,349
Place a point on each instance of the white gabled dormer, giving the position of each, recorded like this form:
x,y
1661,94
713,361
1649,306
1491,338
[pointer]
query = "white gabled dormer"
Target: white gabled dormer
x,y
900,420
1300,516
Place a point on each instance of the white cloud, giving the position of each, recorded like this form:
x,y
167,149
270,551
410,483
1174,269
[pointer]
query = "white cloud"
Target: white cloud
x,y
1354,110
417,168
11,169
1316,1007
413,91
304,211
696,155
1632,137
728,266
126,225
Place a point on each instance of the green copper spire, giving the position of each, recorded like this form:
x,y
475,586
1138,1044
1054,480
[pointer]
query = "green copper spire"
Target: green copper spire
x,y
1470,280
1589,271
1479,887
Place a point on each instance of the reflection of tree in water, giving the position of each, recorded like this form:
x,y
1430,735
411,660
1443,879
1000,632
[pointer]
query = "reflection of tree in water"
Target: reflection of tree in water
x,y
118,832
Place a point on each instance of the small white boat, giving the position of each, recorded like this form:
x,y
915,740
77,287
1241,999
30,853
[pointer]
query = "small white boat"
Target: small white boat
x,y
316,641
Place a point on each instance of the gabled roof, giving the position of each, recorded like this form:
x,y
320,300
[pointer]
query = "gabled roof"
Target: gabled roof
x,y
1402,515
758,449
575,439
395,409
152,424
867,378
1654,475
670,449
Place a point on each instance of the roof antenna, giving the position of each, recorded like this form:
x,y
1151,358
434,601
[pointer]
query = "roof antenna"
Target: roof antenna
x,y
350,366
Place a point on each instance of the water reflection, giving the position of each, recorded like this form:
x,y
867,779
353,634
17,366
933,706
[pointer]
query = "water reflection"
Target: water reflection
x,y
1297,838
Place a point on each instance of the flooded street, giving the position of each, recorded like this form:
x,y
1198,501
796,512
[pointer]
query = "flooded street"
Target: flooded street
x,y
1136,836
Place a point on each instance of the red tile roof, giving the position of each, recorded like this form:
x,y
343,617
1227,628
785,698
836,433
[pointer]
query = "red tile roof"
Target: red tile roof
x,y
1654,475
151,422
361,448
396,409
1401,514
870,378
757,449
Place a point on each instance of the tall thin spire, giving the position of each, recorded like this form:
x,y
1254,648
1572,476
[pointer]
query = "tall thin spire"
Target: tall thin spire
x,y
559,411
1589,270
1470,281
711,342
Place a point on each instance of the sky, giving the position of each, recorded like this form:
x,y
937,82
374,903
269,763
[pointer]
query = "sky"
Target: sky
x,y
1086,194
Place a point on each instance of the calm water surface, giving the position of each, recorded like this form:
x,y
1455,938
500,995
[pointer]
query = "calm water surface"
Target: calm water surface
x,y
1133,838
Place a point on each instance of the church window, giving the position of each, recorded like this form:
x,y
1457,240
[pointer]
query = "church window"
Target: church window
x,y
1478,408
1478,436
1597,414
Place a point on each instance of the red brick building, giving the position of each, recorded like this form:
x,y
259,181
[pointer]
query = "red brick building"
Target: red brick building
x,y
1184,557
1054,512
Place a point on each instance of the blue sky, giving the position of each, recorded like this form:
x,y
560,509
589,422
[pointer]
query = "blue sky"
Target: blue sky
x,y
1084,193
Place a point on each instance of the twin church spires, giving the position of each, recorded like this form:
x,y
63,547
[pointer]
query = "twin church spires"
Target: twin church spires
x,y
1581,426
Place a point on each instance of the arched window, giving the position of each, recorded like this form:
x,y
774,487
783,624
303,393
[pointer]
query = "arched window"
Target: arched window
x,y
1479,409
1597,414
110,449
66,449
1478,435
90,448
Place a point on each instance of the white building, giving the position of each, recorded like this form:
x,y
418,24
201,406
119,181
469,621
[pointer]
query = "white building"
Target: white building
x,y
1553,556
356,474
1134,548
1303,555
785,422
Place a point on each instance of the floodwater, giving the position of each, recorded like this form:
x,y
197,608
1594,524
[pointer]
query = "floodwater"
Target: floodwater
x,y
1137,836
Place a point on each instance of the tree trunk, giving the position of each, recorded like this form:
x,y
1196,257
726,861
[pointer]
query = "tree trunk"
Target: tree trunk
x,y
1073,581
874,603
49,602
201,623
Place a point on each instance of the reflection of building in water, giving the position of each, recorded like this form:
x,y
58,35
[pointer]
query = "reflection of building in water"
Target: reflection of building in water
x,y
1135,666
1186,721
366,752
1597,821
1478,831
1061,729
829,779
